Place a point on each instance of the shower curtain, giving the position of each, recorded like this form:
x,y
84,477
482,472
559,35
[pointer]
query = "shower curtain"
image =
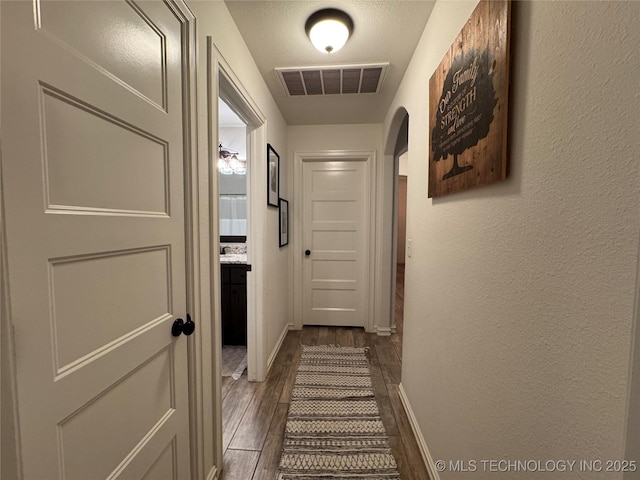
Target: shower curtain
x,y
233,214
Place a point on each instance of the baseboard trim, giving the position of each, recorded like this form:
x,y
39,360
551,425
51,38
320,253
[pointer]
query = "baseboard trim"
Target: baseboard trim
x,y
422,445
383,331
276,349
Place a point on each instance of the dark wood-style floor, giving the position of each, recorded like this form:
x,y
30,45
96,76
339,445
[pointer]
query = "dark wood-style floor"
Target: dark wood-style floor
x,y
254,414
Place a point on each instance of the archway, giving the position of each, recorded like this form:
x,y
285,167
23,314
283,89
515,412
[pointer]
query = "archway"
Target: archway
x,y
396,170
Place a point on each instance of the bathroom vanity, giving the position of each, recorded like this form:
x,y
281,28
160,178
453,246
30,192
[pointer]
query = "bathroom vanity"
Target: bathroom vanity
x,y
233,272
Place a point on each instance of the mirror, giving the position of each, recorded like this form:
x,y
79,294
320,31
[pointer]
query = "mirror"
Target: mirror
x,y
233,205
232,166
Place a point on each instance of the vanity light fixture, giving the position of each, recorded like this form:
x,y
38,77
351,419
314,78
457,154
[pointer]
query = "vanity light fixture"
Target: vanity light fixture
x,y
329,29
229,163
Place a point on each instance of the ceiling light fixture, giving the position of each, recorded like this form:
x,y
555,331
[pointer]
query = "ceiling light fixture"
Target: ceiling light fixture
x,y
329,29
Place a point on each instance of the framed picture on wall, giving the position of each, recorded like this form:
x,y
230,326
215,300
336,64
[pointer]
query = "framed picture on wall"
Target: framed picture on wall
x,y
284,222
468,104
273,176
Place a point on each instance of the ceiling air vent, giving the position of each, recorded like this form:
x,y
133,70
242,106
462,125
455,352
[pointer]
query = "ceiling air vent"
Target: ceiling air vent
x,y
345,79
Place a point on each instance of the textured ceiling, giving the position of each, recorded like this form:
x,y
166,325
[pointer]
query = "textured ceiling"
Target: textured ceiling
x,y
384,32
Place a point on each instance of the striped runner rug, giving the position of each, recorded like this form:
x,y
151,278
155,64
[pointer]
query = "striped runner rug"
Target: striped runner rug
x,y
333,427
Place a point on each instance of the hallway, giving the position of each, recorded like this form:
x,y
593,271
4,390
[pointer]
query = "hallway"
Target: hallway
x,y
254,414
522,297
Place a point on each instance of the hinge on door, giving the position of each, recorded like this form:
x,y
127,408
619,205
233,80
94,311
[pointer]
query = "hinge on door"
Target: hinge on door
x,y
248,267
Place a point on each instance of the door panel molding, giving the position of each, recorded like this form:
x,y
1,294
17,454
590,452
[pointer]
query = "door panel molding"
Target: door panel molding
x,y
103,222
301,157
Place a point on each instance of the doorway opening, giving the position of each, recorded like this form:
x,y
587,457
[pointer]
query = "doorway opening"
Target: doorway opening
x,y
238,138
401,246
232,208
231,92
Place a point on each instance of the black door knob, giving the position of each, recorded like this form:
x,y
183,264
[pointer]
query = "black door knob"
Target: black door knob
x,y
180,326
307,252
189,326
176,328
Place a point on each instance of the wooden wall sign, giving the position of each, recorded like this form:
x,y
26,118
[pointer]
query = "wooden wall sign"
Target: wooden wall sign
x,y
468,104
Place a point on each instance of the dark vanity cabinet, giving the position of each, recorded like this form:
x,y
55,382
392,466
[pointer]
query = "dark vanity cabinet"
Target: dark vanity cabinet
x,y
234,304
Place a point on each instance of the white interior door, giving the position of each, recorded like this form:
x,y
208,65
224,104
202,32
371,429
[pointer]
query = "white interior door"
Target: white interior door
x,y
93,172
335,239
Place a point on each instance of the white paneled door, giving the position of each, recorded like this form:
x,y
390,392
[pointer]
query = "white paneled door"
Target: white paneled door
x,y
93,179
335,242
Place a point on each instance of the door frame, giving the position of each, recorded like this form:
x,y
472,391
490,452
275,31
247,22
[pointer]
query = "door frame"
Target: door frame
x,y
399,145
218,80
394,233
632,434
300,157
10,461
198,289
225,84
9,458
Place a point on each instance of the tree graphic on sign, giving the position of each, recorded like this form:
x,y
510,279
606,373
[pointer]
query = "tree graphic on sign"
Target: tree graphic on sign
x,y
465,110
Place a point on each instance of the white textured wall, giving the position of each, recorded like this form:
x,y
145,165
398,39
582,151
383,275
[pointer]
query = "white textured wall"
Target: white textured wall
x,y
234,138
519,296
335,137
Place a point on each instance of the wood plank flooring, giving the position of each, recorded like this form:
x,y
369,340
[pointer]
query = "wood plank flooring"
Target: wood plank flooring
x,y
254,414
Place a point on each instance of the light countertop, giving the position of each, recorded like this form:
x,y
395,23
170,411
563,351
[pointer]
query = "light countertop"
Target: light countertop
x,y
233,258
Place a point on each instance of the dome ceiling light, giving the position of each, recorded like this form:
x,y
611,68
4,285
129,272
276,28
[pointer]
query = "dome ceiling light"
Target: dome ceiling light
x,y
329,29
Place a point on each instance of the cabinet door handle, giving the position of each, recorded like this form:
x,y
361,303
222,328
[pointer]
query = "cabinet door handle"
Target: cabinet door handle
x,y
307,253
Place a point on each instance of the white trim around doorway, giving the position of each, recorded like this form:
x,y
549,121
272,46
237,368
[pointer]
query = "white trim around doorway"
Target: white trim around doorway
x,y
217,80
226,85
